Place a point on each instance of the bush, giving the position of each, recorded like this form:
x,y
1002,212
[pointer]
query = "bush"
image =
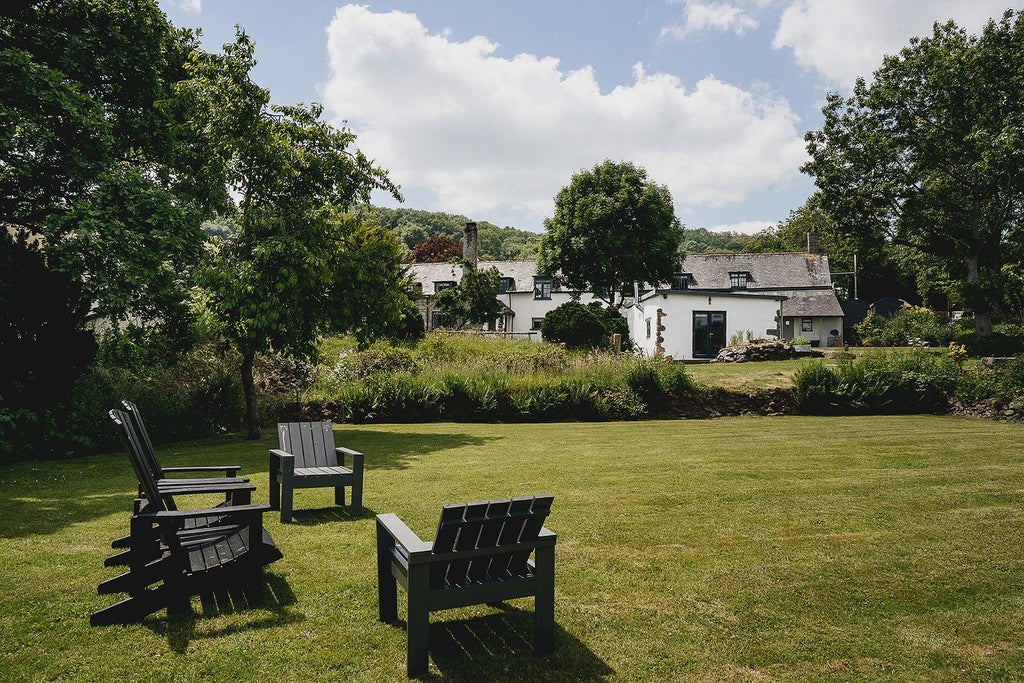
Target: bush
x,y
911,326
918,382
575,325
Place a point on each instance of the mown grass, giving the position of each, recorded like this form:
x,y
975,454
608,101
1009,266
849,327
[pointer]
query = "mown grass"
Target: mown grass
x,y
789,549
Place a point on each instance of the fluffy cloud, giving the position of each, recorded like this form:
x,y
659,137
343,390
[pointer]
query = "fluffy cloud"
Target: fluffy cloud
x,y
481,134
746,227
842,40
193,6
715,16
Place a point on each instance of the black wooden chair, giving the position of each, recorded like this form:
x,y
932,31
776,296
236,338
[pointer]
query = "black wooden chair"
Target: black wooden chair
x,y
168,561
308,458
161,473
480,555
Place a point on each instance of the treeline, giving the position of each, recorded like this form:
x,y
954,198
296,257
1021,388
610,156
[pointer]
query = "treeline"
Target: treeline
x,y
412,226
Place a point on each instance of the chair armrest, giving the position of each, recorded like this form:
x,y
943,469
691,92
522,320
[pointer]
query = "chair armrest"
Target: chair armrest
x,y
224,512
547,535
283,459
184,489
228,470
402,534
357,457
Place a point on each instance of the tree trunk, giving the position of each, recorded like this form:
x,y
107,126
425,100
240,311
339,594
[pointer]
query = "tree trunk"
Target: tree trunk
x,y
976,300
252,410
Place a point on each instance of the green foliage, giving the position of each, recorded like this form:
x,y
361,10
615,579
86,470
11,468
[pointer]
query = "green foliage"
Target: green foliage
x,y
1000,383
611,227
473,299
576,325
929,157
917,325
413,226
918,382
467,378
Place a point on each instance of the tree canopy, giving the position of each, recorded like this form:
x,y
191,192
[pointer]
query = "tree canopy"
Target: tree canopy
x,y
929,158
611,227
297,266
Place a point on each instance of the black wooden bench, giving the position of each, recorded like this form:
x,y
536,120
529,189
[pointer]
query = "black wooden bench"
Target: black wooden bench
x,y
481,554
169,558
307,458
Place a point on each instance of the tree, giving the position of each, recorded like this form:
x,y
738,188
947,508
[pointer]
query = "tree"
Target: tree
x,y
930,156
298,265
96,205
611,227
435,249
473,299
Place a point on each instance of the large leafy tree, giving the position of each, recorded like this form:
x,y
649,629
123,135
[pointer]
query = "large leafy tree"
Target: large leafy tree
x,y
93,195
297,266
611,227
930,156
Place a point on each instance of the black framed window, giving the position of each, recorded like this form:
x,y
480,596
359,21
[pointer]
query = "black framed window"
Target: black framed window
x,y
535,323
442,284
542,289
738,279
806,325
506,284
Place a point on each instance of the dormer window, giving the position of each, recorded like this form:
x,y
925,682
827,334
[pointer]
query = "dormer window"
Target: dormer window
x,y
443,284
682,281
542,289
738,279
506,284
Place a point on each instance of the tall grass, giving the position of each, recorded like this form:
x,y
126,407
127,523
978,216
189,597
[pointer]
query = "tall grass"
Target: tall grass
x,y
466,377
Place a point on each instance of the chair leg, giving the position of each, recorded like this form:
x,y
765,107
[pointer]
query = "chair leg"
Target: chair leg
x,y
418,622
287,494
339,495
387,587
275,484
357,497
544,602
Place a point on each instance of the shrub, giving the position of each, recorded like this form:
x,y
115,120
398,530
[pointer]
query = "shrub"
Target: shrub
x,y
918,382
918,325
575,325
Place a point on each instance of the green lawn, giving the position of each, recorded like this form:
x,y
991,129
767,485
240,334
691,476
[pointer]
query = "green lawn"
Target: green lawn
x,y
748,549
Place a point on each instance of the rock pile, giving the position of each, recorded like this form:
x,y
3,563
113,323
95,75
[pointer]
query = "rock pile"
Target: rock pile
x,y
989,409
761,349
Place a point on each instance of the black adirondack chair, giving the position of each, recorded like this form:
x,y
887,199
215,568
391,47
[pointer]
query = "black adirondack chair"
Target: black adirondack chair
x,y
480,555
308,458
169,561
160,473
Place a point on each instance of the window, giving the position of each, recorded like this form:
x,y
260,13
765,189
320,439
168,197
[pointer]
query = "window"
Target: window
x,y
542,289
648,321
506,284
738,279
682,281
443,284
535,323
437,320
806,325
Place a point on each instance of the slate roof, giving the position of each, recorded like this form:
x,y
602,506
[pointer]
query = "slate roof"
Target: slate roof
x,y
804,279
521,272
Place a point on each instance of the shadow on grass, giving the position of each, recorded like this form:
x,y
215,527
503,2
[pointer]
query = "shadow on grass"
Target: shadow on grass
x,y
385,450
316,516
499,646
181,630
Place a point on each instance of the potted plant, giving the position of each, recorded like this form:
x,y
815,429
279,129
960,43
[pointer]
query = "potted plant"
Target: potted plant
x,y
801,345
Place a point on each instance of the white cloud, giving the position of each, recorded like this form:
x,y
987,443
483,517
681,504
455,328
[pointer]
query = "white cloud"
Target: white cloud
x,y
843,40
194,6
715,16
745,227
480,133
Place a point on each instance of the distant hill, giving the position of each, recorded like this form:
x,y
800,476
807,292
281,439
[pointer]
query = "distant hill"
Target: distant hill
x,y
413,226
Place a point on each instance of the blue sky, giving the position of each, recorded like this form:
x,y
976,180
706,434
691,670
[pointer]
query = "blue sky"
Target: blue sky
x,y
487,107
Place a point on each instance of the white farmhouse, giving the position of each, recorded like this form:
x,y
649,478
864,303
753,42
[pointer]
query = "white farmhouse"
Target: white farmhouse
x,y
713,298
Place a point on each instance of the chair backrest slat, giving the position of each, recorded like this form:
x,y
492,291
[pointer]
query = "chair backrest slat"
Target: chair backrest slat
x,y
133,447
312,443
489,524
145,444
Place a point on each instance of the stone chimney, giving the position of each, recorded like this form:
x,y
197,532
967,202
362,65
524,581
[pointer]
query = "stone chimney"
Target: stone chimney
x,y
470,250
812,242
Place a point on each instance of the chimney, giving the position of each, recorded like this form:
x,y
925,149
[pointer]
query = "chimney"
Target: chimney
x,y
812,242
469,243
